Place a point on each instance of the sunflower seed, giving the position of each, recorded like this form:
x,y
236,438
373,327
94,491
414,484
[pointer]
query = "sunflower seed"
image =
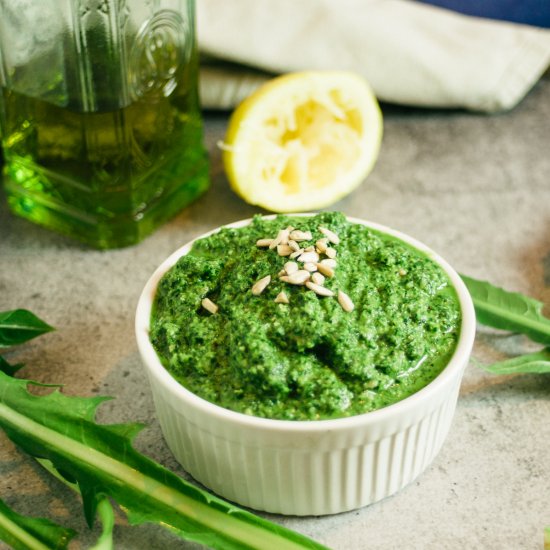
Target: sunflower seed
x,y
262,243
298,236
325,269
330,252
281,298
345,301
318,279
281,238
209,305
290,268
330,262
261,285
294,245
297,278
284,250
309,257
319,290
310,266
330,235
321,245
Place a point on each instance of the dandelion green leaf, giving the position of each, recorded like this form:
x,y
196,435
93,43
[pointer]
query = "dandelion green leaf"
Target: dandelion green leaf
x,y
499,308
102,461
20,325
30,533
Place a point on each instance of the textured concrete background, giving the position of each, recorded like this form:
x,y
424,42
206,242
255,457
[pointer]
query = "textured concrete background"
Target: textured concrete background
x,y
474,188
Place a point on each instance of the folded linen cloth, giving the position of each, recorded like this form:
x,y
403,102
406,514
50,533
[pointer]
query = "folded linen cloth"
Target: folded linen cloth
x,y
411,53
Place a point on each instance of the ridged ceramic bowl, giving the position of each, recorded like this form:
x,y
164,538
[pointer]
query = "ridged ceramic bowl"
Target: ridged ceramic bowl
x,y
306,467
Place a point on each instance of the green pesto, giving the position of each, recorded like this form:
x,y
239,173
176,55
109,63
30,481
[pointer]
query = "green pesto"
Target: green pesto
x,y
308,359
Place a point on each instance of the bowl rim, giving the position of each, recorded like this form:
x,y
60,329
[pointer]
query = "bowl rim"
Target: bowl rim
x,y
457,362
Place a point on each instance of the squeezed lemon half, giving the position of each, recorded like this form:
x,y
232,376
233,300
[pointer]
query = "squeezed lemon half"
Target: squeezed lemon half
x,y
302,141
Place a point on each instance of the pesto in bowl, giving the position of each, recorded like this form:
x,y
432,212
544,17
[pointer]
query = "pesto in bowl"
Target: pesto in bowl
x,y
316,357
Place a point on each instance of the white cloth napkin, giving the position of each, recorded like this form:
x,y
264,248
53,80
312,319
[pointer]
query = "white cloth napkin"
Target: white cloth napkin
x,y
411,53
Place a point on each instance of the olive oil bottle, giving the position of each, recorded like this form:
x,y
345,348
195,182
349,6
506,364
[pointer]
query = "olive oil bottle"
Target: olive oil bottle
x,y
103,142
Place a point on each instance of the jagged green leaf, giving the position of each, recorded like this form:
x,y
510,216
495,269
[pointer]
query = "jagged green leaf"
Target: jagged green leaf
x,y
29,533
104,508
532,363
101,459
19,325
499,308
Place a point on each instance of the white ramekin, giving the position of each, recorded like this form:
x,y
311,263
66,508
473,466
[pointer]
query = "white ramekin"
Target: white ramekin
x,y
305,467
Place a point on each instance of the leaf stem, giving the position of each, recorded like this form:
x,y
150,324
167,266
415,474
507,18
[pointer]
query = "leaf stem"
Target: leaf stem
x,y
19,534
226,525
107,516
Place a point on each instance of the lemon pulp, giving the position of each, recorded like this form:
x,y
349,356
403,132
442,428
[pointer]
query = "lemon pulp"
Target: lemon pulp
x,y
303,140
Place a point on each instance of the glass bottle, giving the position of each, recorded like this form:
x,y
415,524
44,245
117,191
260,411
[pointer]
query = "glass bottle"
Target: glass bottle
x,y
99,115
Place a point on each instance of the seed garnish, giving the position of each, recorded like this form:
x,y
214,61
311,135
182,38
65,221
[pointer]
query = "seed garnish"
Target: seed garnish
x,y
345,301
209,305
297,278
261,285
319,290
299,236
281,238
290,268
321,245
330,235
284,250
312,257
330,262
294,245
281,298
318,279
317,262
325,269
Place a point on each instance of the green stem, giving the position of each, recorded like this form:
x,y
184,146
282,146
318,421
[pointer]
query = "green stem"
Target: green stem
x,y
19,534
226,525
107,517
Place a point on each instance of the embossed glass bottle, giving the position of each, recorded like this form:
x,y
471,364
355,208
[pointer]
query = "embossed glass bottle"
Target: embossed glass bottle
x,y
99,115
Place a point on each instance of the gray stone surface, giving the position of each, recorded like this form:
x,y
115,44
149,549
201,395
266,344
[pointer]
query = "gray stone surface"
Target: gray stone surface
x,y
474,188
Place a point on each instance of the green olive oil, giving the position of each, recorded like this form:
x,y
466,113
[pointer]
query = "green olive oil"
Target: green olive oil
x,y
108,178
